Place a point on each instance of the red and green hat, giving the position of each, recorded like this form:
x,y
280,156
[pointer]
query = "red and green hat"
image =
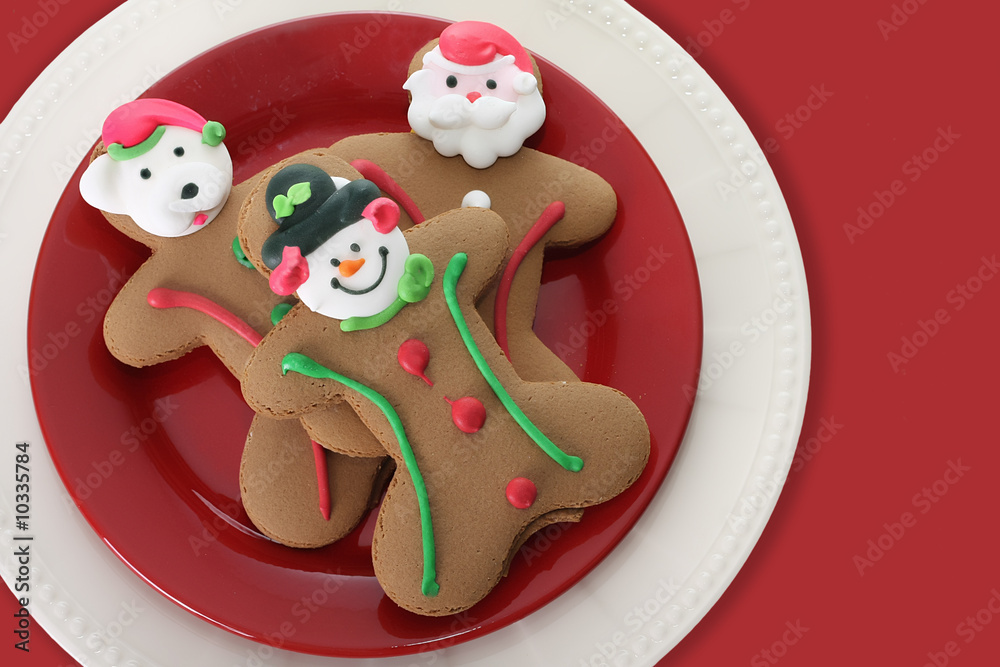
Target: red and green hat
x,y
134,128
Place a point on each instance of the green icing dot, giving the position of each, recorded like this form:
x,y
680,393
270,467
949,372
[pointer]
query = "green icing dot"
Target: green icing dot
x,y
241,256
279,311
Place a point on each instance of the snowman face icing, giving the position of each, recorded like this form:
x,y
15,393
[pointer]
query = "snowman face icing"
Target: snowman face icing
x,y
355,272
174,189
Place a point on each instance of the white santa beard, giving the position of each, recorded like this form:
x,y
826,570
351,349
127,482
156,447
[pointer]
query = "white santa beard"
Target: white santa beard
x,y
480,147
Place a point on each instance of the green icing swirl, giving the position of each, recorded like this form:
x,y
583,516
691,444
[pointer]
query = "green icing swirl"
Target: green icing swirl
x,y
456,266
302,364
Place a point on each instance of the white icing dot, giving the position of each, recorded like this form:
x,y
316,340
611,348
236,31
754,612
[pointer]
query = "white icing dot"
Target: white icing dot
x,y
716,116
77,626
100,45
640,645
624,25
703,581
83,60
641,38
658,630
61,610
673,68
778,248
740,151
788,357
773,228
782,268
783,400
702,100
767,464
26,125
47,593
729,133
687,81
607,15
765,209
749,168
727,545
52,91
135,19
786,378
68,74
476,198
38,108
154,9
117,32
758,191
788,334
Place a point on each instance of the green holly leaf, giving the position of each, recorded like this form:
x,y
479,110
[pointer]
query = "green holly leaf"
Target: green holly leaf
x,y
300,193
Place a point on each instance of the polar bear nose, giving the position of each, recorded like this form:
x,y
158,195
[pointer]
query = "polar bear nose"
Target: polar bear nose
x,y
189,191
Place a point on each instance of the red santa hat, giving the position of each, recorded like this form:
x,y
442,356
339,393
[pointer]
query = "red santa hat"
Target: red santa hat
x,y
135,127
476,47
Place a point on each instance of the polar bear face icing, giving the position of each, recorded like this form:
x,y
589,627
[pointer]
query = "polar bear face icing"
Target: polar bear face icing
x,y
355,272
174,188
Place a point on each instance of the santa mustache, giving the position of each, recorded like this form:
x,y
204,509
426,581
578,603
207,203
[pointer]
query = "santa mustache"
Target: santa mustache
x,y
454,111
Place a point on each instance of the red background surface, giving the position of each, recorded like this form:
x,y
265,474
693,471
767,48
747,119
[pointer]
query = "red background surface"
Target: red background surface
x,y
888,94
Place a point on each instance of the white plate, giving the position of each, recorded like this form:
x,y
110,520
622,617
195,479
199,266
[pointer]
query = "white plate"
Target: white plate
x,y
699,529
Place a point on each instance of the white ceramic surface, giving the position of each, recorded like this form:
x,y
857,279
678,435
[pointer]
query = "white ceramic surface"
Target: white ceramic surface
x,y
698,531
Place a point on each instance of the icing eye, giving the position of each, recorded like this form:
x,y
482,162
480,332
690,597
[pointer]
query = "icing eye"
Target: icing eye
x,y
451,81
355,247
491,84
335,262
179,151
145,174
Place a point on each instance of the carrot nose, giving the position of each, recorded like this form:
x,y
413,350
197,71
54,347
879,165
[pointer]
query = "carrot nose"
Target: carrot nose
x,y
473,96
350,266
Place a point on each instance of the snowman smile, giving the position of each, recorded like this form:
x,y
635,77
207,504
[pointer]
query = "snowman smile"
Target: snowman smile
x,y
336,284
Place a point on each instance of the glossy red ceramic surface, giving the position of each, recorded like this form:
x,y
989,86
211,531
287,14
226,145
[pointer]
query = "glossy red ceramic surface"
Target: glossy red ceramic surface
x,y
151,456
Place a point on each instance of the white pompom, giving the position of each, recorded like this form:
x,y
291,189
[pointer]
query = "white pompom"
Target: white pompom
x,y
476,199
525,83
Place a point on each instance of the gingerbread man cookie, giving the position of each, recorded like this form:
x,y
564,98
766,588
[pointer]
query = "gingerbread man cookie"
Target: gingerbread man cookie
x,y
163,177
475,97
482,455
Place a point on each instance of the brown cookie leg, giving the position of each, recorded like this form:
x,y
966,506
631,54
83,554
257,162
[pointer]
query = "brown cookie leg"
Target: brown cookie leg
x,y
279,485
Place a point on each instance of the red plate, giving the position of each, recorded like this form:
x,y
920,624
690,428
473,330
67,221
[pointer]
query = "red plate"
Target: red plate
x,y
151,456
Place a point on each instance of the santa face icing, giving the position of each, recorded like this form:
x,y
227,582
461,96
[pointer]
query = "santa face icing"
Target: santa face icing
x,y
476,95
166,168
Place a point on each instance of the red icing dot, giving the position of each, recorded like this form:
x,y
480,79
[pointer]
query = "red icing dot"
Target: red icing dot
x,y
468,413
414,356
521,493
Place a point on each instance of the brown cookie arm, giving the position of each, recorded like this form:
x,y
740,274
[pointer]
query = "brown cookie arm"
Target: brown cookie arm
x,y
268,390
